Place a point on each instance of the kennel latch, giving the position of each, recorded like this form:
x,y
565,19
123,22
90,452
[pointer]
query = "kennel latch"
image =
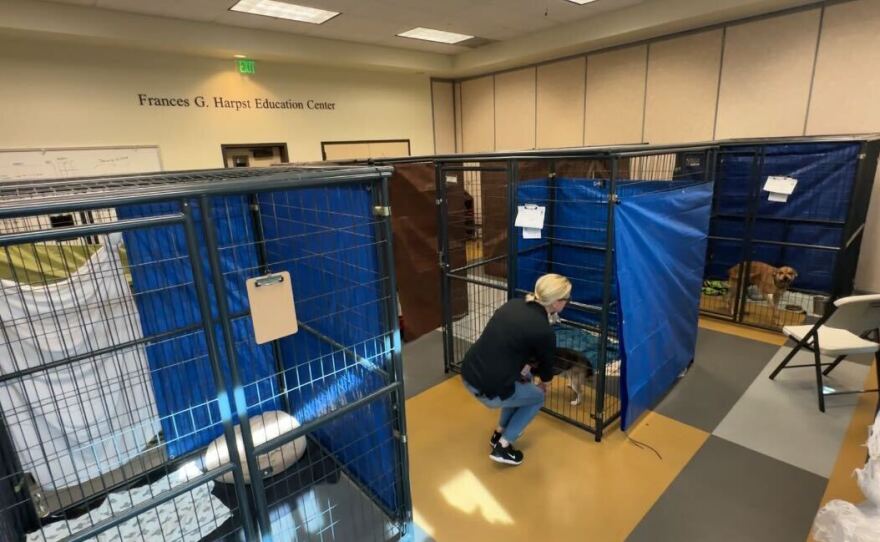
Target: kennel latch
x,y
382,210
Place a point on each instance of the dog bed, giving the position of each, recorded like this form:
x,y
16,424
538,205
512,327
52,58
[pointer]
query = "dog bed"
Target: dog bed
x,y
714,287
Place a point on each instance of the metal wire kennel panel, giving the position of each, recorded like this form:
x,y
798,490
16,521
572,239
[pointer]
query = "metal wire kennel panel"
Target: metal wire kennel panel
x,y
756,244
130,373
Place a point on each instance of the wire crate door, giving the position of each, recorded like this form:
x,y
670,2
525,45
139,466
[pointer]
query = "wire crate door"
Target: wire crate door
x,y
473,210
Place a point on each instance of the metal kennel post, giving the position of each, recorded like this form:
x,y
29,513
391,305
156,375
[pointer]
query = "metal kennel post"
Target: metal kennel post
x,y
133,328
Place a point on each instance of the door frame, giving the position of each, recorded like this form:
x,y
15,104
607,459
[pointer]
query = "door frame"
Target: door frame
x,y
359,141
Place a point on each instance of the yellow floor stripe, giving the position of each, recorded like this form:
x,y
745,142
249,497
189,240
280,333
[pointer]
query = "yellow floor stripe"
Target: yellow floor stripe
x,y
746,332
842,484
568,488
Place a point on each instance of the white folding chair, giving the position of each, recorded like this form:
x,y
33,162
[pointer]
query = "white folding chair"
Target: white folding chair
x,y
853,327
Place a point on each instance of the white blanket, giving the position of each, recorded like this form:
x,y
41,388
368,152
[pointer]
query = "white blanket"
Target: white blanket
x,y
80,420
187,518
842,521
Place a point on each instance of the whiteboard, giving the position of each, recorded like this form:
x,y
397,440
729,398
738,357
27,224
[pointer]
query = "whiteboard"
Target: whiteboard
x,y
62,163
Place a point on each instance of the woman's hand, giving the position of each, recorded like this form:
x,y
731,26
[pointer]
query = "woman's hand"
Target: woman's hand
x,y
543,386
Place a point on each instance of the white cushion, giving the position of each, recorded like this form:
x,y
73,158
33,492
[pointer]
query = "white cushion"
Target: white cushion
x,y
833,341
264,427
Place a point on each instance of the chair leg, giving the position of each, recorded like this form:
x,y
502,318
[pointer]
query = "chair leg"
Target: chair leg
x,y
790,355
833,365
820,387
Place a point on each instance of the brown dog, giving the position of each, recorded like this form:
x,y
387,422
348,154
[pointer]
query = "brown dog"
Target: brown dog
x,y
771,281
575,368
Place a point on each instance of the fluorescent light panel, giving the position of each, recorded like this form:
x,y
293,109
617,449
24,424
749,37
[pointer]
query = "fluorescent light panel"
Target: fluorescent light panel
x,y
283,10
439,36
581,2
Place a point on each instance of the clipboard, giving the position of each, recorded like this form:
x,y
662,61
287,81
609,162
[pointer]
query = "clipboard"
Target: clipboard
x,y
273,312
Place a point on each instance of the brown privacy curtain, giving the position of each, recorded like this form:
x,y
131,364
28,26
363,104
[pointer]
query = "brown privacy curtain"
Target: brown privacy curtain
x,y
495,204
414,223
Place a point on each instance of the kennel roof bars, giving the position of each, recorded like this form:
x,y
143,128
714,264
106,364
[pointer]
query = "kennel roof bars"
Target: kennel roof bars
x,y
22,198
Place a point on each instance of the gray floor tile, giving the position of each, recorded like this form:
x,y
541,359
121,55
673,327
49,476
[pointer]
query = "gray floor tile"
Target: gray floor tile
x,y
724,367
423,363
780,418
729,493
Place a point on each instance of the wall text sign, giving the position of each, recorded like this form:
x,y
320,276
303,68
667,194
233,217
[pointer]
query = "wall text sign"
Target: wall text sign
x,y
237,104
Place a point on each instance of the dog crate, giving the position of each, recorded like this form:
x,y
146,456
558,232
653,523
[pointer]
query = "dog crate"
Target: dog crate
x,y
627,227
136,401
813,234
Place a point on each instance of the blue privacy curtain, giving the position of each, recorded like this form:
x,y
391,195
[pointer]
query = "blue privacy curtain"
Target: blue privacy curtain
x,y
660,248
183,383
660,242
327,239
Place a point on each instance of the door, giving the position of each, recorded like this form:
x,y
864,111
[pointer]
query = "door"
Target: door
x,y
254,155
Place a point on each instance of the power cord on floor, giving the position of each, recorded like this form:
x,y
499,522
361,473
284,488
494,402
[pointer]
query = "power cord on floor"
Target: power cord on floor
x,y
642,446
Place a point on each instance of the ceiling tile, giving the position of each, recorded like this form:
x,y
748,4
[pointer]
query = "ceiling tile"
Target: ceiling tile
x,y
196,10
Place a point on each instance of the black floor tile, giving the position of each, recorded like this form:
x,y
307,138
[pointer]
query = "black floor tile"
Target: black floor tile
x,y
423,363
724,367
730,493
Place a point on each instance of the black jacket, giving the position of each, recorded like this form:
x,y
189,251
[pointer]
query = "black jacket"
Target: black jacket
x,y
518,333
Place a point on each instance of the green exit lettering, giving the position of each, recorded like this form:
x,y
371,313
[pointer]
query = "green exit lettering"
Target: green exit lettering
x,y
246,65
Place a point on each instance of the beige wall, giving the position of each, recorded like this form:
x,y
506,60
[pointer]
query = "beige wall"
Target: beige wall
x,y
765,84
810,72
615,96
559,116
443,99
76,95
478,115
746,79
846,91
515,109
683,88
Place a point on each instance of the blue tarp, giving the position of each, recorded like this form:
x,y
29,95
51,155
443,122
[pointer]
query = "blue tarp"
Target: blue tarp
x,y
326,239
660,232
825,174
660,249
183,383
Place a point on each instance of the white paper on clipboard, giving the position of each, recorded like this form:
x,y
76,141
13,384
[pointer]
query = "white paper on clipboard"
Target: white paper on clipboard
x,y
272,309
531,233
530,216
778,198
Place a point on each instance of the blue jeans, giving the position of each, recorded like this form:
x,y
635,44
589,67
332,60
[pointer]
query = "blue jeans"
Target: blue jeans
x,y
517,411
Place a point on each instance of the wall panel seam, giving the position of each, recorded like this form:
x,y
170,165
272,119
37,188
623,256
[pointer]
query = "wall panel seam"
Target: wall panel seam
x,y
813,75
718,87
584,134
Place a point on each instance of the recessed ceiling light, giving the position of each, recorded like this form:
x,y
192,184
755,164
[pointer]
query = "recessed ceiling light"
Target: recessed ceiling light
x,y
240,56
283,10
581,2
439,36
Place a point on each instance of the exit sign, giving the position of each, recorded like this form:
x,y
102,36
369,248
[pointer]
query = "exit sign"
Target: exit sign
x,y
246,65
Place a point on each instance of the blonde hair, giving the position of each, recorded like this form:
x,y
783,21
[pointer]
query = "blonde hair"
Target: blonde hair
x,y
549,289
